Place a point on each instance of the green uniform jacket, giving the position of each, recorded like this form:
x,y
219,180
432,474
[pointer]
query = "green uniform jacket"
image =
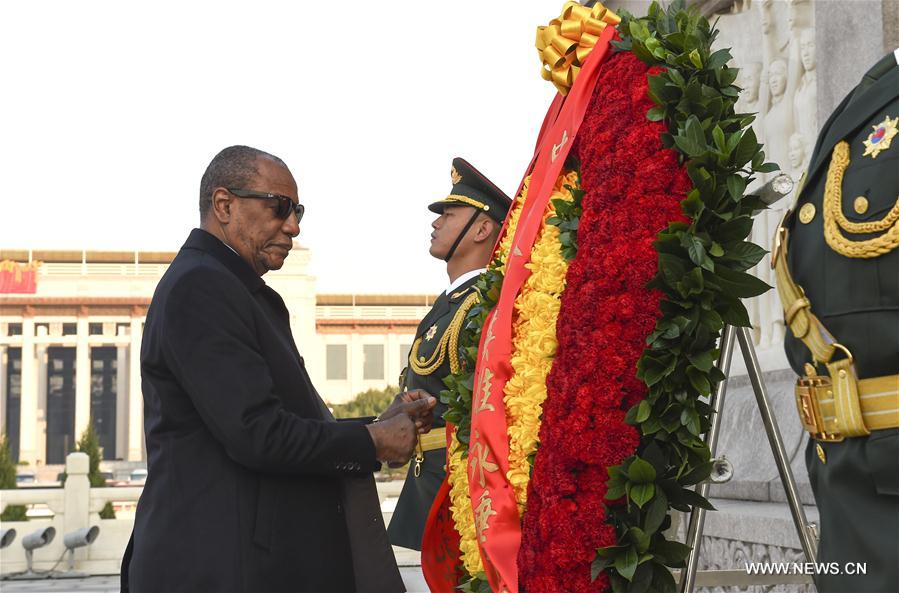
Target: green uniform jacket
x,y
408,522
857,300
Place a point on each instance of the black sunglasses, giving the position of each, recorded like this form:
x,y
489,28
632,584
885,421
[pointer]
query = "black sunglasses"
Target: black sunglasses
x,y
285,204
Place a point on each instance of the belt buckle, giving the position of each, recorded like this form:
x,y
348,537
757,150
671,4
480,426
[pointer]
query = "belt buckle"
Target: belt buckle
x,y
807,389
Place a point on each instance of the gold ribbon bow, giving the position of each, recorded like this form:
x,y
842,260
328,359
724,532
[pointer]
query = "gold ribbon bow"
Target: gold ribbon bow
x,y
566,42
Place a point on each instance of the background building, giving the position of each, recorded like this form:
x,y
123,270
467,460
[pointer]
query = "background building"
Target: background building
x,y
71,327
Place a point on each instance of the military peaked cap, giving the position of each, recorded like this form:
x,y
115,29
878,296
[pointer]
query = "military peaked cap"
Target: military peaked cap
x,y
471,188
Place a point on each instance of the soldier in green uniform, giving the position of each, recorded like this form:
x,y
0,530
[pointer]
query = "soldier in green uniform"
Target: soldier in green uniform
x,y
464,235
836,258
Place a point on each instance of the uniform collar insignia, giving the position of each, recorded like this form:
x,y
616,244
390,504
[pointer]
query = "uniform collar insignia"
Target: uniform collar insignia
x,y
882,136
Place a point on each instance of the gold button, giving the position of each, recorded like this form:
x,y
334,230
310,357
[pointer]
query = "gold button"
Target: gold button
x,y
820,451
807,213
842,374
861,204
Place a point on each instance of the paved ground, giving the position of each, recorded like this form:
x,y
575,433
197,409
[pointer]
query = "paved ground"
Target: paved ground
x,y
110,584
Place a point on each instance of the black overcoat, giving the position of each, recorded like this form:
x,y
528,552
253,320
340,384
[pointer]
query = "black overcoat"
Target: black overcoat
x,y
245,474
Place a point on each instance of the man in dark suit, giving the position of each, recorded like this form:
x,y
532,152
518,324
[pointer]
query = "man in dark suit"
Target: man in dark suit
x,y
464,236
837,264
246,470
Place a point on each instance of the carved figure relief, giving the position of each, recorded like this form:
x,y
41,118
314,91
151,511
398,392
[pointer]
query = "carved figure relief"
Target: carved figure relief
x,y
774,45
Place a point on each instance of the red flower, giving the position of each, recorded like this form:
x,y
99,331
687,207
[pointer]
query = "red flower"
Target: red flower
x,y
633,190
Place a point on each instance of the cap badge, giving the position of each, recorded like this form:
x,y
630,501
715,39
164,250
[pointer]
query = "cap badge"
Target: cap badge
x,y
881,138
454,175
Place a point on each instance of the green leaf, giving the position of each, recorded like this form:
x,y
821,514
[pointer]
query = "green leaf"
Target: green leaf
x,y
643,576
638,30
745,255
694,131
693,498
716,250
746,149
734,312
718,59
699,382
718,136
611,551
692,205
673,553
692,283
656,114
736,185
701,360
638,538
657,511
696,251
695,58
641,471
697,474
653,368
644,409
726,77
662,579
640,494
598,565
690,419
626,564
733,230
616,491
740,284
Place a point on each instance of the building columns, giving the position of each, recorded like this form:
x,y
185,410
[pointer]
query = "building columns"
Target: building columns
x,y
82,379
4,391
135,396
28,433
121,405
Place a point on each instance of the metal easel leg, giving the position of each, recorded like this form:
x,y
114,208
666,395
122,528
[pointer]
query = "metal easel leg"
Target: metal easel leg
x,y
697,517
809,546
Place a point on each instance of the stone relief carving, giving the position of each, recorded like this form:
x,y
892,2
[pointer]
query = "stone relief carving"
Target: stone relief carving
x,y
774,45
723,554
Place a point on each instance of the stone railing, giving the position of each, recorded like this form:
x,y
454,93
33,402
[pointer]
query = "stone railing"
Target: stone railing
x,y
77,505
74,506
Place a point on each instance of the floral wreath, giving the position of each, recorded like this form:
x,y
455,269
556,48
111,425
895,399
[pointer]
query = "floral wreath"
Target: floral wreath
x,y
638,262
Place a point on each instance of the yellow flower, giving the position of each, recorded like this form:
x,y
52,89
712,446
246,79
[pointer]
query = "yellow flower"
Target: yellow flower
x,y
534,342
463,515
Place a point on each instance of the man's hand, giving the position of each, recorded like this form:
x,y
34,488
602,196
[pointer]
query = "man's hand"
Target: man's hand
x,y
396,436
406,402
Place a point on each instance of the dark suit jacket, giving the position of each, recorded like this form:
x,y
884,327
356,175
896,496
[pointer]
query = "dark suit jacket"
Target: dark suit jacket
x,y
244,473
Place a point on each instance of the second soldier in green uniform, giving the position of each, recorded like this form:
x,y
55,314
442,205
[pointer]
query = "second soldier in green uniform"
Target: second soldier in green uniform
x,y
464,236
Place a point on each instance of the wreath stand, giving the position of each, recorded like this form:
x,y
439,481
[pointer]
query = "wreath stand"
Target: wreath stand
x,y
808,537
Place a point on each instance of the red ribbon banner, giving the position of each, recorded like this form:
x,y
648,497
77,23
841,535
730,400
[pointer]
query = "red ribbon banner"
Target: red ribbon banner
x,y
496,517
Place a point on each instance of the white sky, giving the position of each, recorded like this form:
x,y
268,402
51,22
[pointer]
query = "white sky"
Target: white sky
x,y
110,112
